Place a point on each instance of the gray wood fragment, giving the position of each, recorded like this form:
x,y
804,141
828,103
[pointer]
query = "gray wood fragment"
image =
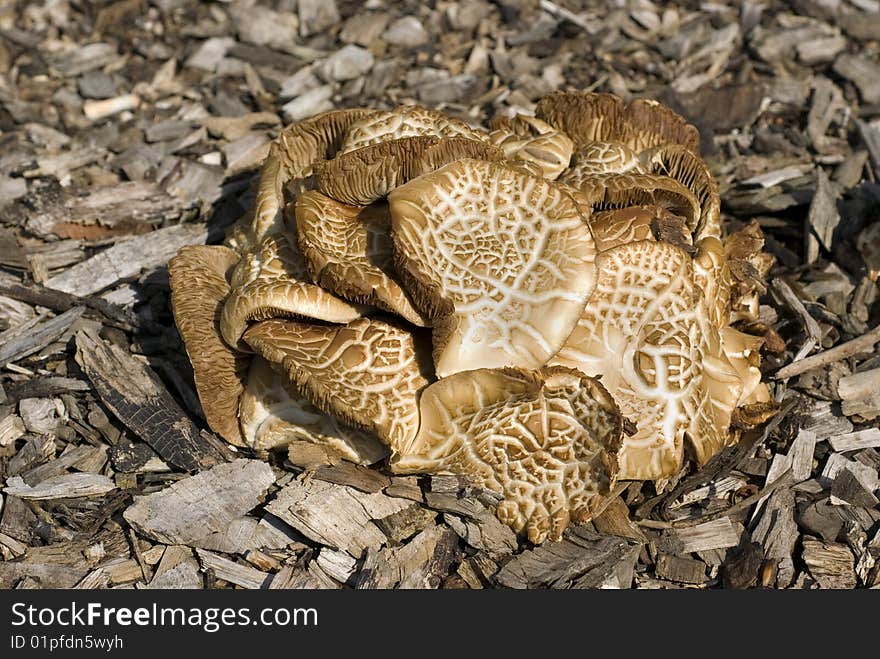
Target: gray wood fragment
x,y
61,487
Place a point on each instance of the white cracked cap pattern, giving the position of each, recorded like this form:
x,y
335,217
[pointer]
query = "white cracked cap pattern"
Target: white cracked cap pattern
x,y
502,260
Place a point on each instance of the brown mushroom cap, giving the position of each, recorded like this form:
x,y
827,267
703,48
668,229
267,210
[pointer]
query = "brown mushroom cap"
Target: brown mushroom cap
x,y
605,158
273,281
406,121
621,226
748,266
198,287
533,141
348,251
646,331
273,413
609,191
593,117
500,260
367,372
684,166
546,439
291,157
359,178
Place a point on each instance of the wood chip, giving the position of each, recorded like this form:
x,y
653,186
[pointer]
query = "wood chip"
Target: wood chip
x,y
61,487
853,441
240,575
716,534
830,564
194,509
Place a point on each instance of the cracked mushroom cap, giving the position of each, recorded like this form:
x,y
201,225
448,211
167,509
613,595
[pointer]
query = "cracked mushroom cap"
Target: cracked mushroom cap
x,y
198,287
593,117
348,251
611,191
291,156
533,141
646,332
500,260
273,413
546,440
359,178
406,121
605,158
367,373
273,281
623,225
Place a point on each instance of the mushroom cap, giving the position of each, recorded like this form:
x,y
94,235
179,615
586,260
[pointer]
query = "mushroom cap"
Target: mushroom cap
x,y
605,158
748,266
681,164
367,373
609,191
594,117
501,261
273,413
406,121
359,178
348,252
199,285
291,156
272,281
646,331
545,439
621,226
534,141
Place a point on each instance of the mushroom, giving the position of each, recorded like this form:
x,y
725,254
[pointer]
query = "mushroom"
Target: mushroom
x,y
291,156
545,439
608,191
605,158
361,177
641,331
533,141
272,281
748,266
273,413
199,284
348,252
592,117
499,260
367,373
406,121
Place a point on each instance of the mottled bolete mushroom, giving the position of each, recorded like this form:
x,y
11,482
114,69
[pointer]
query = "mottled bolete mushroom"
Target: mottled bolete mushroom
x,y
367,373
500,260
547,440
406,121
533,141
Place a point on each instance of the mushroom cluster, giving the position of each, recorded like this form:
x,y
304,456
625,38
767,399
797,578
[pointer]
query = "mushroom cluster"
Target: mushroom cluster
x,y
544,306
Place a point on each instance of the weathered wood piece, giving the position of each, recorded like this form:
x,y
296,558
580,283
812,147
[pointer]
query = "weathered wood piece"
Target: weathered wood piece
x,y
127,259
582,559
240,575
39,336
67,486
684,570
716,534
853,441
830,564
406,522
860,393
421,563
133,392
197,509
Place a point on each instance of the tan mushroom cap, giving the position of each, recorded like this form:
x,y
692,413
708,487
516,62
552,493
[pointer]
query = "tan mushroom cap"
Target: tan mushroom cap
x,y
533,141
273,413
273,281
359,178
677,162
367,373
501,261
646,331
406,121
546,440
594,117
198,287
609,191
605,158
291,156
349,252
622,225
